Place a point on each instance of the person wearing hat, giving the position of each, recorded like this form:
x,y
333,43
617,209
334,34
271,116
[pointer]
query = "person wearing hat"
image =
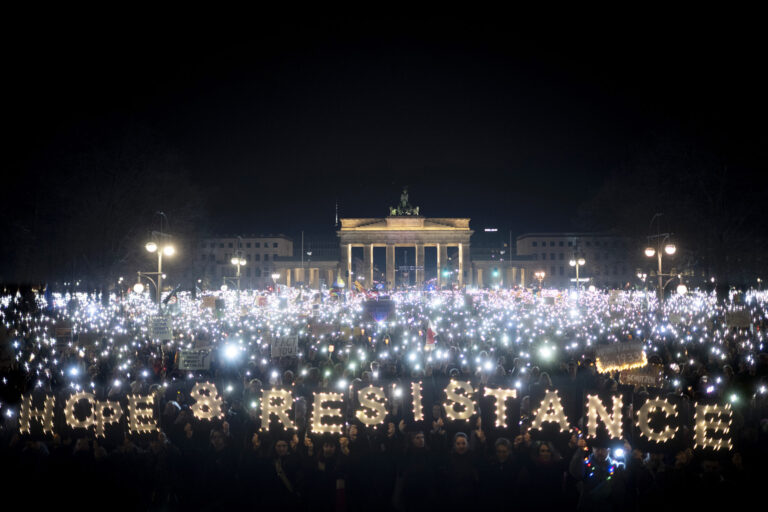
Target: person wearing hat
x,y
600,478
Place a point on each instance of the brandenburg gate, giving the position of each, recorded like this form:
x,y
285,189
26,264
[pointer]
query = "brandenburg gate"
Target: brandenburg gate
x,y
404,227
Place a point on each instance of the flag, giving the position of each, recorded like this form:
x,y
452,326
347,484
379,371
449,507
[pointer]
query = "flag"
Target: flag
x,y
431,334
359,287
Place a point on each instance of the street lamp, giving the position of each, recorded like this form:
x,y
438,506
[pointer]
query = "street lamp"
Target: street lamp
x,y
577,262
663,241
642,276
540,275
168,250
238,262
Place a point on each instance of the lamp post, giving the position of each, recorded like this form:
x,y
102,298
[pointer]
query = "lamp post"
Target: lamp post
x,y
167,250
577,262
238,261
540,275
663,242
308,282
642,277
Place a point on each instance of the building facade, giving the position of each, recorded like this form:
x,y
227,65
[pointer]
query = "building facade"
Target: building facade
x,y
609,260
213,261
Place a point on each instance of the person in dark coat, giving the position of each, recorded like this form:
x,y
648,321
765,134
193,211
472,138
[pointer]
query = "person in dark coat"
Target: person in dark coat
x,y
461,479
498,476
416,476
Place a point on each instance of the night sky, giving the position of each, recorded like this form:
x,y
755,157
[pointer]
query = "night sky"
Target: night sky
x,y
275,122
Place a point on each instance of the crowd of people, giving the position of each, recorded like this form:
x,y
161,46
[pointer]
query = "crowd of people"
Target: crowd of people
x,y
511,338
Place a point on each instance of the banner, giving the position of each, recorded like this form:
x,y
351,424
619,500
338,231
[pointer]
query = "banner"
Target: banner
x,y
656,423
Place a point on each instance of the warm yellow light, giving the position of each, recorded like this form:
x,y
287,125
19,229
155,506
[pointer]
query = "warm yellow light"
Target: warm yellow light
x,y
235,261
572,263
597,410
550,411
151,246
582,261
459,393
670,249
208,402
277,402
169,250
138,288
650,252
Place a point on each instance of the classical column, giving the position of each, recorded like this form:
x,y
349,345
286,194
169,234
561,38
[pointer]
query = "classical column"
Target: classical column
x,y
348,257
522,277
479,278
331,278
419,263
461,265
368,264
287,277
467,264
390,267
442,261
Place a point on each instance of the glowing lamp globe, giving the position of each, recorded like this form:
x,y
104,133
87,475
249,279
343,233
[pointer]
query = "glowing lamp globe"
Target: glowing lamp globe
x,y
650,252
582,261
572,263
670,249
151,247
235,261
169,250
138,288
592,288
682,289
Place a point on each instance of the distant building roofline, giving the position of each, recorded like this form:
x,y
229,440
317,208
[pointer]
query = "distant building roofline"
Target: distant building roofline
x,y
569,234
246,237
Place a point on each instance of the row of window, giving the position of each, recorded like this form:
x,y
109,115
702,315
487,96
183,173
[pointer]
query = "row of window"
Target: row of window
x,y
553,270
588,243
561,256
227,257
224,271
230,245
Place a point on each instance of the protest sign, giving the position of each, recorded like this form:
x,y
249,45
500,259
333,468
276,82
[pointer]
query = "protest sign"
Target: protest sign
x,y
740,319
648,376
194,360
620,356
287,346
160,327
